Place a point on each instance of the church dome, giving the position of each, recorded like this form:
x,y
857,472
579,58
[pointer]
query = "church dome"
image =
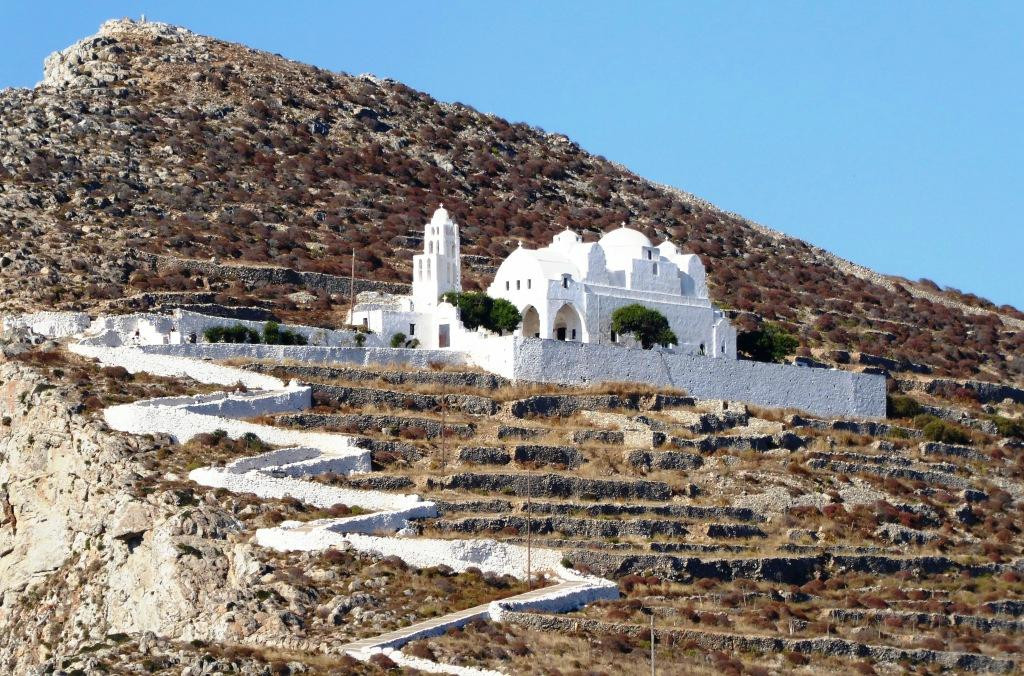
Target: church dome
x,y
624,237
440,215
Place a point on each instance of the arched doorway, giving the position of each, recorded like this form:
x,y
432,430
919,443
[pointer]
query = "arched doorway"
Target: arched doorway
x,y
531,322
568,325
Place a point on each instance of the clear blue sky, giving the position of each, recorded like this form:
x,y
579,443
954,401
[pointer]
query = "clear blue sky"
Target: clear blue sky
x,y
891,133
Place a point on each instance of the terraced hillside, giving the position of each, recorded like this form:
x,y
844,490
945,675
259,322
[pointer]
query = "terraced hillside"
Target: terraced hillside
x,y
758,540
147,151
755,541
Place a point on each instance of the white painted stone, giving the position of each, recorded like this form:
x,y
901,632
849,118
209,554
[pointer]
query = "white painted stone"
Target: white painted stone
x,y
52,324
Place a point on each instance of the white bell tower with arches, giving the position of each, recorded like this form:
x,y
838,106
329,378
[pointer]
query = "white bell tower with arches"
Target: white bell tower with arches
x,y
439,268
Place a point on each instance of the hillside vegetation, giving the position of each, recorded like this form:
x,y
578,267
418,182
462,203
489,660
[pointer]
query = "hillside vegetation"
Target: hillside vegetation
x,y
149,138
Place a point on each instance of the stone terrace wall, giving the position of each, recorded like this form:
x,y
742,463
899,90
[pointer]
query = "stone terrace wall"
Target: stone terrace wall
x,y
260,275
820,391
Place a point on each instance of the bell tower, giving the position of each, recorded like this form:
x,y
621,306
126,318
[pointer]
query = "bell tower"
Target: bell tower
x,y
439,268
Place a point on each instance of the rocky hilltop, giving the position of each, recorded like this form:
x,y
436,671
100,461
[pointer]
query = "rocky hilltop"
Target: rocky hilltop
x,y
149,140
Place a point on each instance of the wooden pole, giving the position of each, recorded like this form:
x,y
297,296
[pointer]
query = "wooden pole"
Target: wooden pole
x,y
529,530
444,410
352,291
652,642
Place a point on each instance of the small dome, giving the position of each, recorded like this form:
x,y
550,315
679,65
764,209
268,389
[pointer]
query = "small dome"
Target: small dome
x,y
624,237
440,215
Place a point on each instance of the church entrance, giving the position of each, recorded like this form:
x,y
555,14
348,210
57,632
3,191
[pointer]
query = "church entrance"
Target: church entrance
x,y
568,324
531,323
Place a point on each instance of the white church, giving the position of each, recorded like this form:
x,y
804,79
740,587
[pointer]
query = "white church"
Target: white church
x,y
566,291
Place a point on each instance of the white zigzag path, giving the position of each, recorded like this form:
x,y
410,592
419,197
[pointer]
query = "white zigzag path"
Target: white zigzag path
x,y
280,473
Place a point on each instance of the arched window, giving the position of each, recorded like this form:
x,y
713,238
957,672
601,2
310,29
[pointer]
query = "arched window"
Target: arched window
x,y
565,281
655,268
428,268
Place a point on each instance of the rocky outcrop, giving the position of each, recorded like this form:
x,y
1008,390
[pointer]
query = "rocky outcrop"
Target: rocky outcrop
x,y
87,551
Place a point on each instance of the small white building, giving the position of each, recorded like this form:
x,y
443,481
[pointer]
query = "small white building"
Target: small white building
x,y
569,289
565,291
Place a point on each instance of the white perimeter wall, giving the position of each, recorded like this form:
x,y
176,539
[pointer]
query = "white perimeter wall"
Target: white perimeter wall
x,y
358,356
819,391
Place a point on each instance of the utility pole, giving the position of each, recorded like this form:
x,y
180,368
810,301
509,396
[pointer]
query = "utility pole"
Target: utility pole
x,y
352,291
652,642
529,530
444,409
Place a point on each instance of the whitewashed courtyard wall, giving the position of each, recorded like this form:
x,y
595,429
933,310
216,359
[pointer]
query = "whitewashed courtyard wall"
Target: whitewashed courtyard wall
x,y
819,391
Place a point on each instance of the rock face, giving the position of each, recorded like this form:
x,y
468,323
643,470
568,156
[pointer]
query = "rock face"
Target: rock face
x,y
83,553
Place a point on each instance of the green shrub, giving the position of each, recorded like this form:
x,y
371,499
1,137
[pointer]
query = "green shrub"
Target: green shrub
x,y
231,334
923,419
398,340
360,339
1008,427
646,325
770,343
945,432
900,406
274,335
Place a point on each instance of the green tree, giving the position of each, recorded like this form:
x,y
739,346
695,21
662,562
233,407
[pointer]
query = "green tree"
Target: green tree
x,y
398,340
504,316
646,325
479,309
770,343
